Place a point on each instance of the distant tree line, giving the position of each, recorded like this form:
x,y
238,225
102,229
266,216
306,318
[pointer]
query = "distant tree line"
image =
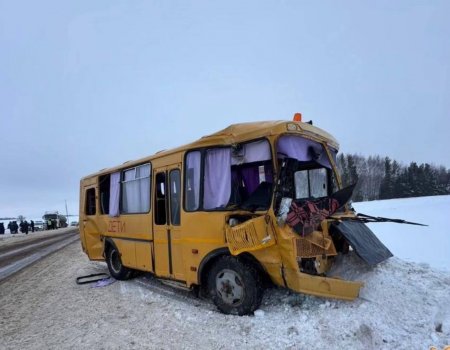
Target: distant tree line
x,y
383,178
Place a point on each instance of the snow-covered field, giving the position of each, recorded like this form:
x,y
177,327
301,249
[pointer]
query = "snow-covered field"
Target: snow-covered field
x,y
428,245
404,305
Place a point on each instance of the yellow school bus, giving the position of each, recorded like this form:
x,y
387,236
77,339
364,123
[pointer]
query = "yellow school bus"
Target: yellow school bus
x,y
211,215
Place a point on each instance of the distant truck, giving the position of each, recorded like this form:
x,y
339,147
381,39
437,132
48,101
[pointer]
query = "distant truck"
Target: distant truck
x,y
54,216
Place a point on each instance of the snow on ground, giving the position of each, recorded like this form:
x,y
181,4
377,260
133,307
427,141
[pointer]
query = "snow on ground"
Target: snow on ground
x,y
429,245
404,305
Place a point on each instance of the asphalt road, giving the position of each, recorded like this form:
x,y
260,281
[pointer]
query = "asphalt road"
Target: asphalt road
x,y
16,255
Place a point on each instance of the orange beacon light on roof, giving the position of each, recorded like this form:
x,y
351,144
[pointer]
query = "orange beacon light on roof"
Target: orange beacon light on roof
x,y
297,117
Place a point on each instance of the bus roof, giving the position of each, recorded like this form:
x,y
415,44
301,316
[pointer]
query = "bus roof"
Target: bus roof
x,y
236,133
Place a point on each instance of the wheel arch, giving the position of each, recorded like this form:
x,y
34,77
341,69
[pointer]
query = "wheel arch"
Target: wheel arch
x,y
109,242
209,260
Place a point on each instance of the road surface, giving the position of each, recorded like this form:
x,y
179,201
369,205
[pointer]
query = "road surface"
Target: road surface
x,y
18,252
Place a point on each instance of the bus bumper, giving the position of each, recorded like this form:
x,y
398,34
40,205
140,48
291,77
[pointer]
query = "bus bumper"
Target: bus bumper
x,y
322,286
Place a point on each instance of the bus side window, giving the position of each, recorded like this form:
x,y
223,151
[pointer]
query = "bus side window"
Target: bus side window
x,y
90,202
175,197
160,199
192,181
104,188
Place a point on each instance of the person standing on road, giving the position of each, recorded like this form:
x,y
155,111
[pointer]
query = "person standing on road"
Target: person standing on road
x,y
2,228
49,224
32,225
25,227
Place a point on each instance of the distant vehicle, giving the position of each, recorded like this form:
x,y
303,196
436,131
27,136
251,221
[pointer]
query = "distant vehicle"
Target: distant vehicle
x,y
61,220
38,225
74,223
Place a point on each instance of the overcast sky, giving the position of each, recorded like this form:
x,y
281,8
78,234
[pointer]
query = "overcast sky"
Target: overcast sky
x,y
86,85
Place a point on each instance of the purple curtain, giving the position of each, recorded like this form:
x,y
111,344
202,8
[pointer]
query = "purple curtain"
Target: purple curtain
x,y
251,178
254,152
217,181
114,194
304,150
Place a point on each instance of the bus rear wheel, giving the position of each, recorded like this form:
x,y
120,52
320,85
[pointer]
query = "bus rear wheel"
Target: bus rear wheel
x,y
234,286
114,262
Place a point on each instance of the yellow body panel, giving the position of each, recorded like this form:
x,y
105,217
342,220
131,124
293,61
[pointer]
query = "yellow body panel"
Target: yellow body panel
x,y
144,256
127,251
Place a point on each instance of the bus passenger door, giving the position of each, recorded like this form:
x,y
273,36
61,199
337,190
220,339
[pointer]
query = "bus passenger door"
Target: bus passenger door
x,y
90,232
166,223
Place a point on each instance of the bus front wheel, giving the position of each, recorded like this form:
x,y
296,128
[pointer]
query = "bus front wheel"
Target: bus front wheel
x,y
114,262
234,286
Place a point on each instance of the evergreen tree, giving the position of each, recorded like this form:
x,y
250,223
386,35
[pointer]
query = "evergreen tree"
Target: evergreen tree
x,y
379,178
413,183
401,184
387,184
443,180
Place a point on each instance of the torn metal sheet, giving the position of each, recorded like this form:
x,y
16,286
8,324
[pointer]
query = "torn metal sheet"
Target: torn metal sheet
x,y
364,242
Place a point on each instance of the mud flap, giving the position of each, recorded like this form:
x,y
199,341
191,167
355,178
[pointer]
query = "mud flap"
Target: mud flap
x,y
364,242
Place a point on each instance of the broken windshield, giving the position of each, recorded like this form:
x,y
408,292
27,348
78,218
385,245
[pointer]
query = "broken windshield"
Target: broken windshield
x,y
305,171
311,183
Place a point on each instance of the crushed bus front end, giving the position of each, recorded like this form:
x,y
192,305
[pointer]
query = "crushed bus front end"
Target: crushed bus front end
x,y
298,263
298,239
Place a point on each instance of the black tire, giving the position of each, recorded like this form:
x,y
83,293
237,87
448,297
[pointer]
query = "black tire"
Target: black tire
x,y
115,267
234,286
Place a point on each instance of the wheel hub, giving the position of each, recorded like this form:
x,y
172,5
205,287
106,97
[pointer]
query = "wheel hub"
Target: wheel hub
x,y
230,287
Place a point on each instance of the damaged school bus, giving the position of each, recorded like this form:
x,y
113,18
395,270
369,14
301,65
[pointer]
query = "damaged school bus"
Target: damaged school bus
x,y
252,202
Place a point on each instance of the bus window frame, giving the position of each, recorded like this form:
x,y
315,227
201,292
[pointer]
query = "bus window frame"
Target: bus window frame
x,y
122,175
86,201
103,176
170,193
184,178
165,198
202,174
333,171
